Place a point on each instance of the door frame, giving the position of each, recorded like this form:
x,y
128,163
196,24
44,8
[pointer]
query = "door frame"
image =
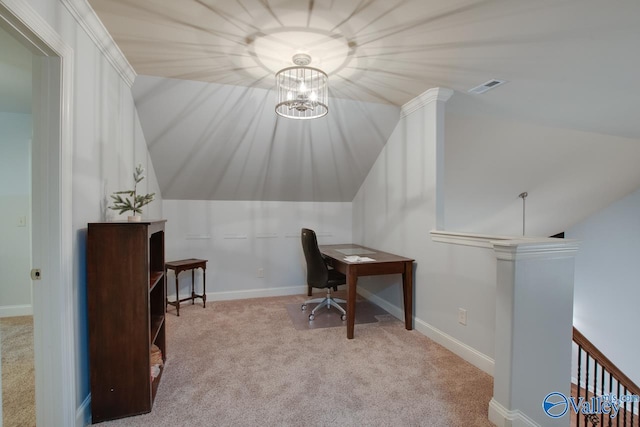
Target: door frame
x,y
53,305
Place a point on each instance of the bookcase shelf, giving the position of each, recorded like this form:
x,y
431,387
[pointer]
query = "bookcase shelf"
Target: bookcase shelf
x,y
126,311
154,279
157,322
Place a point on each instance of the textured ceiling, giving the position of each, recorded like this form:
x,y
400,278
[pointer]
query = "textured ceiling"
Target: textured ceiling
x,y
568,63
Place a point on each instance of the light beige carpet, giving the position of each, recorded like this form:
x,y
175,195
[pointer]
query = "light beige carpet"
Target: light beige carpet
x,y
243,363
18,381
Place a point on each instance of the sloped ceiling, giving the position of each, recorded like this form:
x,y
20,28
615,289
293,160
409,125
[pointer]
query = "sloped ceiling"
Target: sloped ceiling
x,y
223,142
206,73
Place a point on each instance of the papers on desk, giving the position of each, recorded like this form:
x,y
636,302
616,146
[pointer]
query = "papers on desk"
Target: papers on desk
x,y
356,258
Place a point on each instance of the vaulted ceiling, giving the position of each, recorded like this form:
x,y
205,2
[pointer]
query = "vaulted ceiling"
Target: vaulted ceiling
x,y
204,90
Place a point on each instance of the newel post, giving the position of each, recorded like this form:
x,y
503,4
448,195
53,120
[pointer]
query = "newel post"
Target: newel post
x,y
534,317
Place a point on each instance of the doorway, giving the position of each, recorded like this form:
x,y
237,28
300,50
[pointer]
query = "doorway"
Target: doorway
x,y
51,212
17,377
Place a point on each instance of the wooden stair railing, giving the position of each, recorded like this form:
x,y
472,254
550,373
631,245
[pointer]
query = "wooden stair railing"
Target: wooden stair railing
x,y
606,379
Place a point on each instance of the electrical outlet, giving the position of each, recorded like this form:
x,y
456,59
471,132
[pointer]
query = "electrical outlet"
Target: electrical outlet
x,y
462,316
260,272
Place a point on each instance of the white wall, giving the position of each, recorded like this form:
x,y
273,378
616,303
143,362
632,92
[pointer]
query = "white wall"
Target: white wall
x,y
107,144
607,281
239,237
15,204
568,174
578,182
394,211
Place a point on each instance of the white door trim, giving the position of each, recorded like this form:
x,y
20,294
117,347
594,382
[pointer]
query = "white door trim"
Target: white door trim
x,y
54,309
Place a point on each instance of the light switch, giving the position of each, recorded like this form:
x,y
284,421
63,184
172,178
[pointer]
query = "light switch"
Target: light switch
x,y
22,221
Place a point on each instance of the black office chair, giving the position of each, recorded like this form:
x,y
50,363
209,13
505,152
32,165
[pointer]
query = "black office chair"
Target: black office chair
x,y
320,276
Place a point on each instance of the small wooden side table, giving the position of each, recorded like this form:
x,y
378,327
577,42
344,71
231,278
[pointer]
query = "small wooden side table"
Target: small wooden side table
x,y
183,265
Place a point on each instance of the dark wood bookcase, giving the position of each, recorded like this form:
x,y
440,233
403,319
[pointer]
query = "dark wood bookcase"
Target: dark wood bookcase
x,y
126,313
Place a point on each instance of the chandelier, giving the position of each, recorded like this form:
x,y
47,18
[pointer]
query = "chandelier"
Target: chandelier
x,y
302,90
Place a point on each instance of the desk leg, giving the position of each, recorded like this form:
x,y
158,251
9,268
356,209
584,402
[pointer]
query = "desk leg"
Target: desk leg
x,y
166,294
204,287
177,295
407,290
352,281
193,284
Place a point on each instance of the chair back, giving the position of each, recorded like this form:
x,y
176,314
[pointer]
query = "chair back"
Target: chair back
x,y
317,271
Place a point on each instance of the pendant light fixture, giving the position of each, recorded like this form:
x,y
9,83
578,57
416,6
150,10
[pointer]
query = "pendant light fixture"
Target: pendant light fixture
x,y
302,90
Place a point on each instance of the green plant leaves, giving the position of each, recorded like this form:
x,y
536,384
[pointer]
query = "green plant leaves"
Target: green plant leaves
x,y
134,202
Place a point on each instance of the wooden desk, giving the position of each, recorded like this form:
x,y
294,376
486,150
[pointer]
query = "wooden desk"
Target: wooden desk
x,y
182,265
384,263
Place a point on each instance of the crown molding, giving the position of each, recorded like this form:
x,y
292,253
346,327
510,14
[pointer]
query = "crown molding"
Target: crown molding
x,y
95,29
433,94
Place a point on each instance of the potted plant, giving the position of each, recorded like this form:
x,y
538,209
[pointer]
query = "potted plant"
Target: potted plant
x,y
135,201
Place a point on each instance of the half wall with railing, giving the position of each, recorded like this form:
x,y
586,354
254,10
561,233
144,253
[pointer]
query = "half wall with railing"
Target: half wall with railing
x,y
602,394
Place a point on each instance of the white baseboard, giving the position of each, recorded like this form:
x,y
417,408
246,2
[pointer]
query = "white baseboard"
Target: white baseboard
x,y
471,355
83,413
16,310
502,417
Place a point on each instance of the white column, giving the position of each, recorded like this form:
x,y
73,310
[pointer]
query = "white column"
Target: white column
x,y
430,138
534,316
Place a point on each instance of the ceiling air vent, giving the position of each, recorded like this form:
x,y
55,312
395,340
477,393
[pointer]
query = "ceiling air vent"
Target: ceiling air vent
x,y
486,86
